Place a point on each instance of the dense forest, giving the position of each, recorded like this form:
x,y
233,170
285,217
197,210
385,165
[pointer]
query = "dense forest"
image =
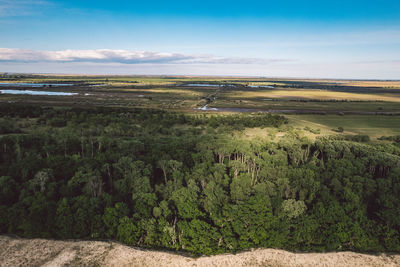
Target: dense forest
x,y
176,181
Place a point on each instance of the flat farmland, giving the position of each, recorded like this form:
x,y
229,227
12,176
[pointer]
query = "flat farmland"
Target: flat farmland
x,y
360,107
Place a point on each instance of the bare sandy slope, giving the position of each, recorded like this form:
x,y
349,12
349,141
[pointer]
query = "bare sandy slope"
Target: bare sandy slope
x,y
41,252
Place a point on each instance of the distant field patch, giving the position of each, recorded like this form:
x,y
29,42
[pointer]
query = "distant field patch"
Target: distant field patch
x,y
313,94
374,126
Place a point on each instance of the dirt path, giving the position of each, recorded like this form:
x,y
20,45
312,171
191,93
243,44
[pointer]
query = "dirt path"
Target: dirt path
x,y
41,252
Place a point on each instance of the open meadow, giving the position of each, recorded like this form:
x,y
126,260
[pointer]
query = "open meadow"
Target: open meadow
x,y
360,107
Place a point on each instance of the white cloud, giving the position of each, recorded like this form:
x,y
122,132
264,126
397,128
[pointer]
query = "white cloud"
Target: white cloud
x,y
121,56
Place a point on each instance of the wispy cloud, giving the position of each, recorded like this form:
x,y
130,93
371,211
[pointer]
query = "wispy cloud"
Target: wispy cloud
x,y
122,56
390,61
12,8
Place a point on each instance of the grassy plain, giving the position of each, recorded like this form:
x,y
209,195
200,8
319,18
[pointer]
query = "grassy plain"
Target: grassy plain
x,y
351,104
374,126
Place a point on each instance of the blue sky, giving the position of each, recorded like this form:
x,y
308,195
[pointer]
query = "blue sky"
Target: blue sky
x,y
314,39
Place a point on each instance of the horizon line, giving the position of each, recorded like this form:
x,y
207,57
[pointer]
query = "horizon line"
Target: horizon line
x,y
200,76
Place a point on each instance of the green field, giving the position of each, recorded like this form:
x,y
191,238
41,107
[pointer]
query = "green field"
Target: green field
x,y
298,99
374,126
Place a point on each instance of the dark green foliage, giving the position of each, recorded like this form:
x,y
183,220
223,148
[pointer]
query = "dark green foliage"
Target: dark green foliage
x,y
391,138
164,180
8,125
355,138
339,129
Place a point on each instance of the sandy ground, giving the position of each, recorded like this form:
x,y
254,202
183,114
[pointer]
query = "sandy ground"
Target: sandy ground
x,y
41,252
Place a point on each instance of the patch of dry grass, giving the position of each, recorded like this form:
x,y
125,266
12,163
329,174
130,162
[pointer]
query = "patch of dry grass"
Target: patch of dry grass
x,y
40,252
312,94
